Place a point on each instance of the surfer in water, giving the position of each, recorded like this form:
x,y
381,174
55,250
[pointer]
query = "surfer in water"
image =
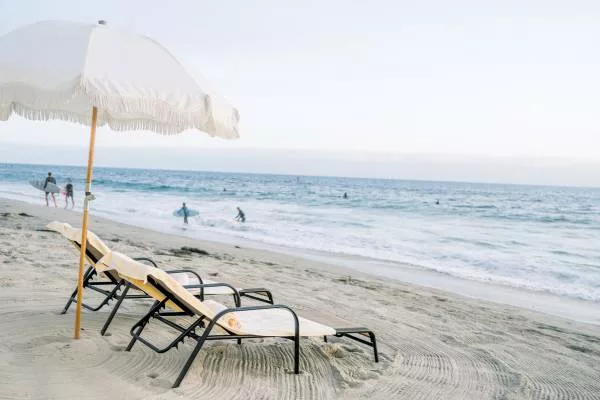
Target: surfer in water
x,y
241,217
50,179
69,194
184,210
345,195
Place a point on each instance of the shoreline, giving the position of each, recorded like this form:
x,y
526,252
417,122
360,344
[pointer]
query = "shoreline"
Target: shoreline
x,y
548,303
370,268
432,344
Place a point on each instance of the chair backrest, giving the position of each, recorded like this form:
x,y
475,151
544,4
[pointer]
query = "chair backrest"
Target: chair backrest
x,y
154,282
95,248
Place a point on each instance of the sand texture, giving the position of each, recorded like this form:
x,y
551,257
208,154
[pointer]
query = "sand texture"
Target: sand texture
x,y
433,345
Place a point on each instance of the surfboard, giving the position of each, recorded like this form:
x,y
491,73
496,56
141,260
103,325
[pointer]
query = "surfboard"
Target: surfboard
x,y
50,187
191,213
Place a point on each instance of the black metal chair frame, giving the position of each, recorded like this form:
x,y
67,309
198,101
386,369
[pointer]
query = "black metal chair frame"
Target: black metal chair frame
x,y
114,293
156,312
97,286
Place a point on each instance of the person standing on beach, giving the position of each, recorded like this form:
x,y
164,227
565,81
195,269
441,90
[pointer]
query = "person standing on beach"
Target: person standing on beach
x,y
241,217
50,179
69,193
184,210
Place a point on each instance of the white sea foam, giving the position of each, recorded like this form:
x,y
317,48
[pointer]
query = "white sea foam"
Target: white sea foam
x,y
539,239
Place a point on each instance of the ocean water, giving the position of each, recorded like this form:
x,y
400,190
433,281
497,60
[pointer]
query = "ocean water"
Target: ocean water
x,y
541,239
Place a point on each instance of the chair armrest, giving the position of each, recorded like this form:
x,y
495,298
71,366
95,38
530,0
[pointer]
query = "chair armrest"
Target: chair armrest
x,y
255,308
254,290
258,293
201,286
146,259
185,271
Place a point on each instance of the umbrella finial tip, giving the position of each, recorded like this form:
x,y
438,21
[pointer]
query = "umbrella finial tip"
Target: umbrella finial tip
x,y
101,22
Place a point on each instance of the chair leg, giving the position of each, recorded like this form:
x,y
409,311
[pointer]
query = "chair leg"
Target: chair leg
x,y
374,343
134,338
141,324
296,355
71,300
114,310
192,356
236,300
348,332
86,277
107,299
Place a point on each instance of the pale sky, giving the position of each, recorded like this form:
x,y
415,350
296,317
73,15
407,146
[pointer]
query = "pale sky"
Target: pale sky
x,y
485,78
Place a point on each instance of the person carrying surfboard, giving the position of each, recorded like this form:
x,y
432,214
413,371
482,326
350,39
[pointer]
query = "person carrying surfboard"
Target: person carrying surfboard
x,y
184,210
50,179
69,193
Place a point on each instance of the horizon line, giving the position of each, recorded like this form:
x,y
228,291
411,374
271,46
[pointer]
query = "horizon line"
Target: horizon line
x,y
481,156
313,176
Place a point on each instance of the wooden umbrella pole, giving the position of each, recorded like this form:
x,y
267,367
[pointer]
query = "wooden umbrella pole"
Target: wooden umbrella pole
x,y
84,224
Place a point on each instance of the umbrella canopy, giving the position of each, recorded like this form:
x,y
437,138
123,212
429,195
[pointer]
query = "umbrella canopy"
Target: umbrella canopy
x,y
61,69
98,75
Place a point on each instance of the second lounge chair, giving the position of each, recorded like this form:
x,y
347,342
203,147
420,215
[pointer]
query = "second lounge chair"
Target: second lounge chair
x,y
216,321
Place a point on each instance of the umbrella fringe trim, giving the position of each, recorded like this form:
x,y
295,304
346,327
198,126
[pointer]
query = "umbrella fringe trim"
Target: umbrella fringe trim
x,y
156,115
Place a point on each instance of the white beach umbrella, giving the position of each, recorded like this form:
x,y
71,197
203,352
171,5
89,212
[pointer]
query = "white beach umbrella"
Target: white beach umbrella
x,y
98,75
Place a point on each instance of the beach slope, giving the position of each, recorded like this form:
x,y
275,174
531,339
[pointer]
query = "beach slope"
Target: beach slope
x,y
433,345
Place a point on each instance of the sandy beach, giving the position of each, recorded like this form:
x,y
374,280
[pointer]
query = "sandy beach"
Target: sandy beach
x,y
433,345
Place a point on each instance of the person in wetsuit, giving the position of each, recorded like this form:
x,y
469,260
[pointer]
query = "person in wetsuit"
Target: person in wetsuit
x,y
69,194
50,179
240,216
345,195
184,210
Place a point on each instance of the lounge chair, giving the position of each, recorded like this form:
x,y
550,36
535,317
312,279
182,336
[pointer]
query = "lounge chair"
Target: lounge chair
x,y
114,288
216,321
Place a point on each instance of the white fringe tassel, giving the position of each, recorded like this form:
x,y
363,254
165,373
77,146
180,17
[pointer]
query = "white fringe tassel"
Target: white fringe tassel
x,y
120,113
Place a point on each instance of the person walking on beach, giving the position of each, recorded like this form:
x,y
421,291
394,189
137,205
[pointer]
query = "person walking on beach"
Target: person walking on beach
x,y
186,213
50,179
69,194
241,217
